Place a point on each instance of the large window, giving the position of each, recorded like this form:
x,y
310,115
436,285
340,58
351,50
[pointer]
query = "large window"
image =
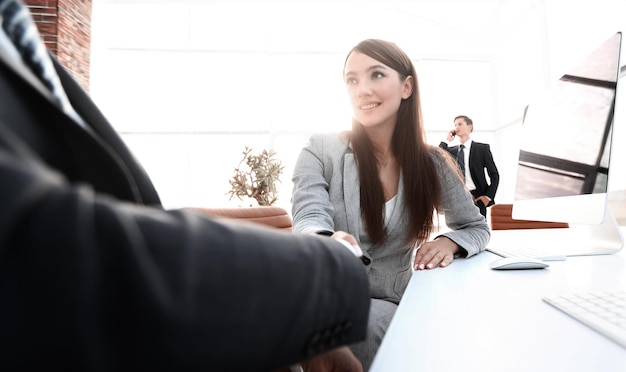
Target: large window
x,y
190,83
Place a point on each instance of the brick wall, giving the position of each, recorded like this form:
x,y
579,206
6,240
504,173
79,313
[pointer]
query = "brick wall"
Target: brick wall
x,y
65,26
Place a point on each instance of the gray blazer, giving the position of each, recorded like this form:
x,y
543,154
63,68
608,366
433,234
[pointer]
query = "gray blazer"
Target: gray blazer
x,y
326,197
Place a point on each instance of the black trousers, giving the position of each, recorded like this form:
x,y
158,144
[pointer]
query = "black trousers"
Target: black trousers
x,y
479,204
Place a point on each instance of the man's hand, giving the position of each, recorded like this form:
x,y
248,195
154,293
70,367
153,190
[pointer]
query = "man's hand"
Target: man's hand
x,y
483,199
336,360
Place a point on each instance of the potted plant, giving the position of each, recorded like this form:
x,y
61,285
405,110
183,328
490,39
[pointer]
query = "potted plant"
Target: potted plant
x,y
256,176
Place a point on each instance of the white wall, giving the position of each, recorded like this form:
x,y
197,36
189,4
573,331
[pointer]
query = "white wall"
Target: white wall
x,y
190,83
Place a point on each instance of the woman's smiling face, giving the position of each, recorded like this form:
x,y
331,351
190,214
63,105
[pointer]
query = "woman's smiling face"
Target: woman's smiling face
x,y
375,90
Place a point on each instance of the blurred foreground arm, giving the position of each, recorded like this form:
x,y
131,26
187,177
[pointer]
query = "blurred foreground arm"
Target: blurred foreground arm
x,y
90,282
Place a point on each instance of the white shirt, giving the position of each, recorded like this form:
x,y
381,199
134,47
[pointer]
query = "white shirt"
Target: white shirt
x,y
468,177
389,207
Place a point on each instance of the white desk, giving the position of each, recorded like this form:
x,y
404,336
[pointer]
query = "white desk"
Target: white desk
x,y
469,318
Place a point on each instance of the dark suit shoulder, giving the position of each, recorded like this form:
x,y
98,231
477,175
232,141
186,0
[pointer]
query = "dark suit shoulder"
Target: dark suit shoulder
x,y
480,145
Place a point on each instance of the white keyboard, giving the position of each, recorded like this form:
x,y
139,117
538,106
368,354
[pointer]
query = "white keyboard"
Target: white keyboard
x,y
532,252
605,312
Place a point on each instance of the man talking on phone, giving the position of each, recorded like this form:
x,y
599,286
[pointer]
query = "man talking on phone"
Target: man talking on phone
x,y
474,158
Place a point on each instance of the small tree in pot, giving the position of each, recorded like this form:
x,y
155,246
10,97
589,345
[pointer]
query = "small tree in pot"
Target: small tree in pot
x,y
256,177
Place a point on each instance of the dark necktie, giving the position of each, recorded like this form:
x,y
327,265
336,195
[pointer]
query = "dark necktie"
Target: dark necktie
x,y
460,159
22,31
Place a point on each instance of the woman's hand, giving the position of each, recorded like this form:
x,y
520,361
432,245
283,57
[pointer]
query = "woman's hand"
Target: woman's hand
x,y
437,253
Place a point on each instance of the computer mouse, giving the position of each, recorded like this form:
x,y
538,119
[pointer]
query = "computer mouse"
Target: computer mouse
x,y
518,263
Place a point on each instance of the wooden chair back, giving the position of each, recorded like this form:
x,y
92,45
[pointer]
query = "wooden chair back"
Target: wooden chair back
x,y
275,217
501,219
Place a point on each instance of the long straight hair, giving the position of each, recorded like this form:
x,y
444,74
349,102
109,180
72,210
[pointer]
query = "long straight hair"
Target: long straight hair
x,y
422,191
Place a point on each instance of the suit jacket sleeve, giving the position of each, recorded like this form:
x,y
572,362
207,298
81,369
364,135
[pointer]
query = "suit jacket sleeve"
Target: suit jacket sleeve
x,y
492,171
468,227
87,280
312,205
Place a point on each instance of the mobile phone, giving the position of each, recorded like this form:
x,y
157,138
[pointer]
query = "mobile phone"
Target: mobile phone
x,y
453,133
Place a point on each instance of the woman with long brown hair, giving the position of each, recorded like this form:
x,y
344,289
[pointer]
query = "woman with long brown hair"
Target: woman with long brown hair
x,y
380,185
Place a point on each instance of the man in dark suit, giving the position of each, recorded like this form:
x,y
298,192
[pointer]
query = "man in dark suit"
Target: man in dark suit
x,y
96,275
475,160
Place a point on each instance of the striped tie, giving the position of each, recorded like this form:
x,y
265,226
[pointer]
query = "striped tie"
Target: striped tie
x,y
20,28
460,158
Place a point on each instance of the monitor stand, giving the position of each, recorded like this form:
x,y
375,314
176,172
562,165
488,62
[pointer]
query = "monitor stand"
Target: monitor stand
x,y
604,238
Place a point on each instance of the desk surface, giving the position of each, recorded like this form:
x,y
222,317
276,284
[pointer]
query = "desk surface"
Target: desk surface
x,y
468,317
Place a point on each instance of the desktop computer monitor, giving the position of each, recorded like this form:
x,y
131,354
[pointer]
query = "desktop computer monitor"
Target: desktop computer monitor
x,y
565,151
